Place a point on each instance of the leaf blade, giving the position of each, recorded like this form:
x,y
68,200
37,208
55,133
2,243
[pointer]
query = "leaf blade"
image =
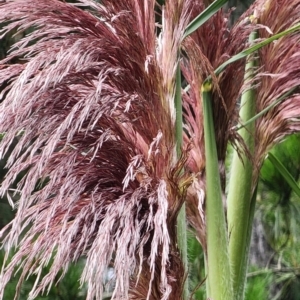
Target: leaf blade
x,y
265,110
203,17
256,47
285,173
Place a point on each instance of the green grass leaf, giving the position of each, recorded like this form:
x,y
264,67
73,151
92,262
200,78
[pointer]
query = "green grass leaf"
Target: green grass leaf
x,y
265,110
204,16
255,47
285,173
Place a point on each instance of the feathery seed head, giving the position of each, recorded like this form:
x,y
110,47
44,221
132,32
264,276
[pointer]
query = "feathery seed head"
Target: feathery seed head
x,y
92,105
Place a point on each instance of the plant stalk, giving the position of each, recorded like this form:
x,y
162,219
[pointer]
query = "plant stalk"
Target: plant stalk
x,y
181,219
240,210
218,269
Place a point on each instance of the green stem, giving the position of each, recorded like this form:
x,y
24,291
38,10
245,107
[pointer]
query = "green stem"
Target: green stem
x,y
250,222
219,281
239,206
206,276
181,219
